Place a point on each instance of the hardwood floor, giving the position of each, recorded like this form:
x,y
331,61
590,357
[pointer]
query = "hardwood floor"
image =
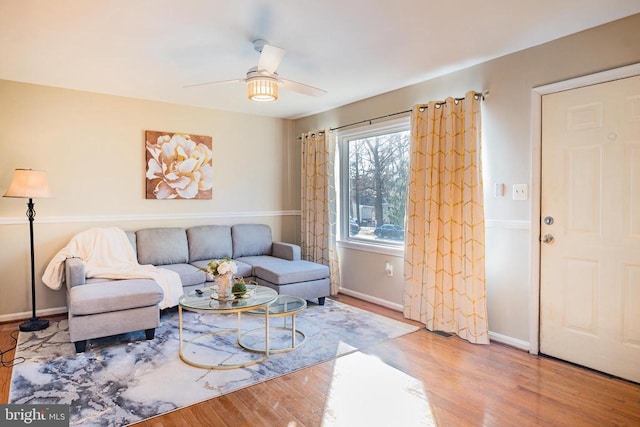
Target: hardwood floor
x,y
418,379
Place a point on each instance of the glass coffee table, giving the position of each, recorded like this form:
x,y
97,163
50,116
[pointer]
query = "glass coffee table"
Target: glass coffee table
x,y
284,306
258,298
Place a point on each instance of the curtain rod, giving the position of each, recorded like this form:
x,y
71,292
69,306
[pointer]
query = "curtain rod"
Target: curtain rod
x,y
477,95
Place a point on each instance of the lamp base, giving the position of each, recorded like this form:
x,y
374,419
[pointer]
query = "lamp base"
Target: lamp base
x,y
34,324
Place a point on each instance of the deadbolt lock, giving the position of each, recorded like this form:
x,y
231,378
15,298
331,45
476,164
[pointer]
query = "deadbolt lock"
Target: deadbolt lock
x,y
548,238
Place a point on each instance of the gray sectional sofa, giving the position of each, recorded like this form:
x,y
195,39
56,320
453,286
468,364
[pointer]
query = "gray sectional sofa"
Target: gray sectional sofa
x,y
96,310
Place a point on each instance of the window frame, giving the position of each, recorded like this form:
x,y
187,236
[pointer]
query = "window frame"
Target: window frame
x,y
344,137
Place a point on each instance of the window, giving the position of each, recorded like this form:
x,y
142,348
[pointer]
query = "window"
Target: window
x,y
374,166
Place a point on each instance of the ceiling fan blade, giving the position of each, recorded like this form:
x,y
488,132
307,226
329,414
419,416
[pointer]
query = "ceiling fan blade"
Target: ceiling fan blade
x,y
270,58
301,88
219,82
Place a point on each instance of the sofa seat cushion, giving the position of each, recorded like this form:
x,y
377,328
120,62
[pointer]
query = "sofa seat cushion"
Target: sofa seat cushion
x,y
291,272
244,269
261,261
116,295
264,261
189,274
99,280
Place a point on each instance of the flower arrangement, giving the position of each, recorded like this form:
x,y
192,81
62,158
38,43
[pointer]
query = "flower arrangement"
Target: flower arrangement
x,y
222,270
217,267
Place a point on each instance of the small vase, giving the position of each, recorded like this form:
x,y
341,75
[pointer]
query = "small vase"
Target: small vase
x,y
223,281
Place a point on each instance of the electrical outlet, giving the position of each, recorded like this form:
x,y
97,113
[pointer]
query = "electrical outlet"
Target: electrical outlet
x,y
520,192
389,269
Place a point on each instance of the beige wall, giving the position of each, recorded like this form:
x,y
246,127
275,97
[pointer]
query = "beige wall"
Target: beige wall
x,y
92,148
507,152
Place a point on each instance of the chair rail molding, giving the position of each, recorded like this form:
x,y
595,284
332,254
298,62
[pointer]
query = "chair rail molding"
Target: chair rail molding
x,y
517,224
147,217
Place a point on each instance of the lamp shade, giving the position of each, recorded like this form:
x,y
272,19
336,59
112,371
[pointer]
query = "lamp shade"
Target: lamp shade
x,y
262,89
29,184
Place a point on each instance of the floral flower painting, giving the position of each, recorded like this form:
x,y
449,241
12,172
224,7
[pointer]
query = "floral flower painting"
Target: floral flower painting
x,y
179,166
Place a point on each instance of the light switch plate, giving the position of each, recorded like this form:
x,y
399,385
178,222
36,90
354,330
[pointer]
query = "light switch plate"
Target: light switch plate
x,y
520,192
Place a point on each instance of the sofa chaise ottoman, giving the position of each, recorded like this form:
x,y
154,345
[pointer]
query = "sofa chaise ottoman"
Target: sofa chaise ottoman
x,y
102,307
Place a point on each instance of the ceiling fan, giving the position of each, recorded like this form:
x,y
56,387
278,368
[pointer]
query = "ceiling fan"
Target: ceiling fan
x,y
263,80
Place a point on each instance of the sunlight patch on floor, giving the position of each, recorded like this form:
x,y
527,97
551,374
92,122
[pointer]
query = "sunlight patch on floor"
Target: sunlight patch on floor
x,y
367,392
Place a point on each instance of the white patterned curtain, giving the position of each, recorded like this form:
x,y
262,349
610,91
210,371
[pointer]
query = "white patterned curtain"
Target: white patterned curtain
x,y
318,242
444,262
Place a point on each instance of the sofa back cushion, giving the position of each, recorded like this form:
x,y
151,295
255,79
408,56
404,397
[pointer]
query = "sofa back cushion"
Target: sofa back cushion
x,y
131,235
209,242
160,246
251,240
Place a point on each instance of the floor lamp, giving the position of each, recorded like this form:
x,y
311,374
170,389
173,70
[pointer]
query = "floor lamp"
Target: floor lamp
x,y
30,184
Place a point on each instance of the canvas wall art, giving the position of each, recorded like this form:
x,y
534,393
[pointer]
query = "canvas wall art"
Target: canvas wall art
x,y
179,166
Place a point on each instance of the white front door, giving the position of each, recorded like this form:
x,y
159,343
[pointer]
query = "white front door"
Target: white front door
x,y
590,210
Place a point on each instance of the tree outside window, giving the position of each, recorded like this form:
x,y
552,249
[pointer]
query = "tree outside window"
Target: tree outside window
x,y
377,167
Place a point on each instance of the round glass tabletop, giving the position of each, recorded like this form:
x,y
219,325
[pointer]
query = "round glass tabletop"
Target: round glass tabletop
x,y
284,305
206,301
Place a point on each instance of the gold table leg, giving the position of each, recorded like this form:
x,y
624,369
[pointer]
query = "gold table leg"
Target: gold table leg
x,y
266,331
180,327
293,330
183,346
267,350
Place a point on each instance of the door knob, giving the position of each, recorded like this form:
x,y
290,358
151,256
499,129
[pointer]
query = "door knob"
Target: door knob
x,y
548,238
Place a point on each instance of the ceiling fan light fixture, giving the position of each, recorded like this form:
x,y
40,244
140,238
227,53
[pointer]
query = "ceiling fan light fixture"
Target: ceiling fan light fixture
x,y
262,89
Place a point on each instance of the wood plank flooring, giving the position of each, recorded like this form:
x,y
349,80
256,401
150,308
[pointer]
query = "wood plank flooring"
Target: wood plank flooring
x,y
418,379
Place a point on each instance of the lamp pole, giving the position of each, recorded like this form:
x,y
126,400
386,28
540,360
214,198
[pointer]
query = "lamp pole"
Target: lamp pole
x,y
33,324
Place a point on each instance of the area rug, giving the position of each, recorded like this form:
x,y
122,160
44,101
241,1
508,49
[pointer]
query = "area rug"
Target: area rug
x,y
123,379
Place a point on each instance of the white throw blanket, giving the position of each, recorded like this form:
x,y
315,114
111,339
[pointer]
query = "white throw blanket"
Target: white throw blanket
x,y
108,254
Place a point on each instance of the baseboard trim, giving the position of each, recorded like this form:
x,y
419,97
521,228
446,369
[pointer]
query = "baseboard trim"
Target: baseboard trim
x,y
25,315
493,336
510,341
371,299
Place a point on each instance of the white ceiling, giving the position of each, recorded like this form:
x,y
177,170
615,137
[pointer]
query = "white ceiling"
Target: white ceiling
x,y
353,49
